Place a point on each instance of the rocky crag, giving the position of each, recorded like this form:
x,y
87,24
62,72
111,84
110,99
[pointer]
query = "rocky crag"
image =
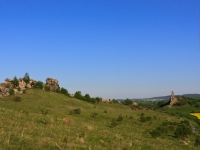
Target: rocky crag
x,y
8,84
173,100
52,83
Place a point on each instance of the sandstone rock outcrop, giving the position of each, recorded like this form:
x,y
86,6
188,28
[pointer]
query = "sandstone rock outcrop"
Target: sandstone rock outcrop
x,y
4,87
172,99
8,84
52,83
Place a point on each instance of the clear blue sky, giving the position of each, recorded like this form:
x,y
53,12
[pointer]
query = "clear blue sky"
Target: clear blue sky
x,y
107,48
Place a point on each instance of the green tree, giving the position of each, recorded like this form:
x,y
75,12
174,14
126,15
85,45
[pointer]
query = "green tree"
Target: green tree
x,y
127,102
39,84
78,95
64,91
26,78
15,82
87,97
98,99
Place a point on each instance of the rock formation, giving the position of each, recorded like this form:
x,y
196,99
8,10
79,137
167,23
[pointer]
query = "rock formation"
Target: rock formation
x,y
8,84
172,99
52,83
4,87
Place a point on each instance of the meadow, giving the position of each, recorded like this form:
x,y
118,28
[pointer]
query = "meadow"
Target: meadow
x,y
53,121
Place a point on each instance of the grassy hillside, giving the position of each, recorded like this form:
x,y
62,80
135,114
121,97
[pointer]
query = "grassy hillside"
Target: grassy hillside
x,y
48,120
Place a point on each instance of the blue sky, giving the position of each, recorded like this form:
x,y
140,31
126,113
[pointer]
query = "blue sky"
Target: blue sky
x,y
107,48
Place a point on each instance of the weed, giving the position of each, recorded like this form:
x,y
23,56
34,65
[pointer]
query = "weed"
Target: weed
x,y
17,99
11,91
94,114
120,118
75,111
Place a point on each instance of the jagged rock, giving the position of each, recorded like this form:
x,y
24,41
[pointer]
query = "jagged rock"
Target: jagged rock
x,y
172,99
52,83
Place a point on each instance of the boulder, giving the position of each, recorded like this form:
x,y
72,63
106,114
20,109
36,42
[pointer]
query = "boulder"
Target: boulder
x,y
52,83
135,104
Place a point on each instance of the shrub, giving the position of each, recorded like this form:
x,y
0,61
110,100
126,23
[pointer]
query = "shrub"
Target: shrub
x,y
120,118
130,117
38,84
197,141
17,99
47,88
144,119
155,133
11,91
112,124
43,112
94,115
75,111
182,131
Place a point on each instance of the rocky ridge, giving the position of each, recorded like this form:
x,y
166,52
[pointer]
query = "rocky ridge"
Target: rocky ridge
x,y
8,84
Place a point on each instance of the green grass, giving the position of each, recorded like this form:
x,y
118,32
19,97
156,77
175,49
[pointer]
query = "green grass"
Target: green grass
x,y
41,120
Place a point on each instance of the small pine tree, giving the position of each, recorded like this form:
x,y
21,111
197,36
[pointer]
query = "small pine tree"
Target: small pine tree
x,y
26,78
15,82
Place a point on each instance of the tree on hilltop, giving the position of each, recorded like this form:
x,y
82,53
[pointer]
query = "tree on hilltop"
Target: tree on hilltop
x,y
15,82
26,78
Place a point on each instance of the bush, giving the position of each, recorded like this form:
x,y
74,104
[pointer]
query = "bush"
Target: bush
x,y
182,131
155,133
47,88
39,85
11,91
112,124
144,119
120,118
197,141
17,99
75,111
94,115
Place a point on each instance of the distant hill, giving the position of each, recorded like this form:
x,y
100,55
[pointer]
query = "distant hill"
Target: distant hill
x,y
197,96
186,95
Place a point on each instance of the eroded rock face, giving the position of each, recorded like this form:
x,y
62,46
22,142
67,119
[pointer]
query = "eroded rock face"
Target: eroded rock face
x,y
172,99
52,83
